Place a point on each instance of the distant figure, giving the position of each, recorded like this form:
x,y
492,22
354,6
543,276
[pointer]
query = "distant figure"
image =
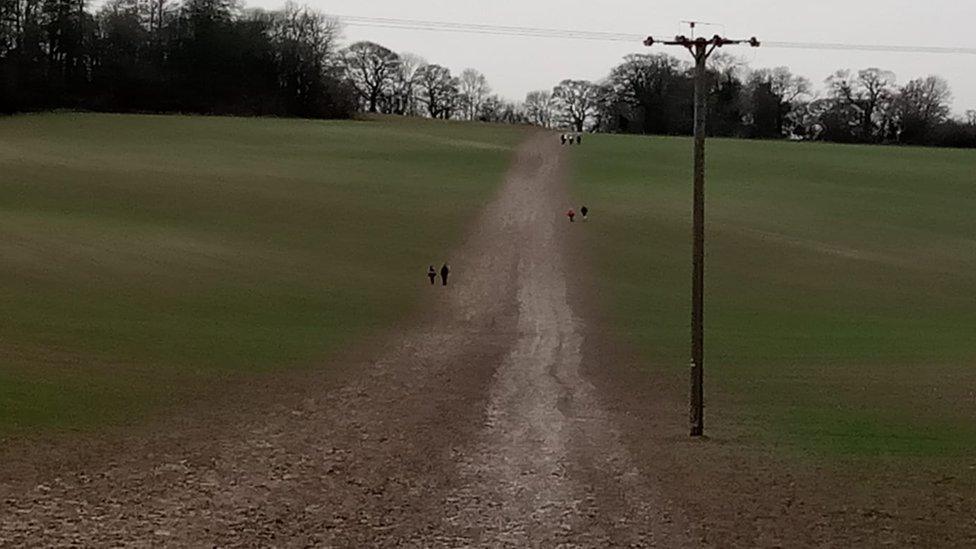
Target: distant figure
x,y
571,215
445,270
584,211
563,137
431,274
579,139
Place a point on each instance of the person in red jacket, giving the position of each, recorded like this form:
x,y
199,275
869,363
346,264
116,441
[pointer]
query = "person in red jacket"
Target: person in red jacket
x,y
571,214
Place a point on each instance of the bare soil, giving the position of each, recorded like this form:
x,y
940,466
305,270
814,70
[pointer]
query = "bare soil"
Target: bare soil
x,y
502,417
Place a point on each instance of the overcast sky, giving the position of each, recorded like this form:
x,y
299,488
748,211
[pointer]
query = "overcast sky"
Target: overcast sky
x,y
516,65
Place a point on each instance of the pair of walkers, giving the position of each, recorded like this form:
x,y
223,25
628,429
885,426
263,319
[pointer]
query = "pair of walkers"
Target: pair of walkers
x,y
569,139
571,214
432,274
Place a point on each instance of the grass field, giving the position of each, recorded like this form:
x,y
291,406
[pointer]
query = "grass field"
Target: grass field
x,y
142,254
841,286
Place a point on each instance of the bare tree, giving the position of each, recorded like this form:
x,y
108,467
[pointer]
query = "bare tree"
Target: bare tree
x,y
402,98
868,95
370,67
305,47
772,102
603,102
843,120
654,90
877,94
437,90
727,66
474,90
539,108
576,102
841,86
496,109
786,84
922,105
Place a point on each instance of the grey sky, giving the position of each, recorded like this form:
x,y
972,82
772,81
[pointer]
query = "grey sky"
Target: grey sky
x,y
516,65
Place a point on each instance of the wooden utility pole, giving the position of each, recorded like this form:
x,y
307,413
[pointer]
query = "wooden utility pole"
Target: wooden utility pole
x,y
701,49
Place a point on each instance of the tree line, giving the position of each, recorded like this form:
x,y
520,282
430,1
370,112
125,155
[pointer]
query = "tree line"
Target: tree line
x,y
197,56
213,56
653,94
405,84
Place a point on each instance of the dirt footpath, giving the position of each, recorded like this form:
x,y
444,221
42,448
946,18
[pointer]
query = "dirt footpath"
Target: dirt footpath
x,y
548,466
475,428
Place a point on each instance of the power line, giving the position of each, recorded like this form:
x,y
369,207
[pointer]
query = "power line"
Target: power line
x,y
575,34
615,35
871,48
414,24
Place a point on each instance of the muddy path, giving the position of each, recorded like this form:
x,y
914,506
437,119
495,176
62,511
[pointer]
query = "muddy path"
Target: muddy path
x,y
477,427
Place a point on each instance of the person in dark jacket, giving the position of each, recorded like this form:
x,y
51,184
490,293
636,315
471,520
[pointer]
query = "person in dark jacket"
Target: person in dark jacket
x,y
431,274
563,137
579,139
584,211
445,270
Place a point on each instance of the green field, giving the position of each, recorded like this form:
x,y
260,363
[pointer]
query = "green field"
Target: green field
x,y
140,255
841,286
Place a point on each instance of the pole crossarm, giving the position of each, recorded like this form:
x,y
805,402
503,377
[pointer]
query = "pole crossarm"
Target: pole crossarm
x,y
702,46
715,41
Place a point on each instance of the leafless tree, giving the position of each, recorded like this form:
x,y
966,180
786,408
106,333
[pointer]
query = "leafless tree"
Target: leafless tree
x,y
922,105
869,94
841,86
371,68
877,94
651,92
496,109
576,102
784,83
603,100
306,45
539,108
773,102
474,90
437,90
728,67
402,98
